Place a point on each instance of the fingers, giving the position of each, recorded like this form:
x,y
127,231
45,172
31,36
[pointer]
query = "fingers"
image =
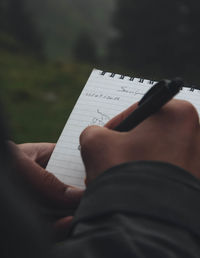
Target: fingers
x,y
94,137
176,124
177,112
174,105
52,189
95,143
38,152
61,227
90,140
46,184
119,118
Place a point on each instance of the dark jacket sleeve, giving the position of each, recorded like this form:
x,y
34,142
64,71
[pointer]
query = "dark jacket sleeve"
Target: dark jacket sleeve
x,y
141,209
23,232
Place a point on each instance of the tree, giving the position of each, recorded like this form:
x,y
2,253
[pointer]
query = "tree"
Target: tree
x,y
17,22
161,34
85,49
2,13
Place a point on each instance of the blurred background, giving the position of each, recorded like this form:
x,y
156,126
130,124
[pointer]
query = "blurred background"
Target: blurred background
x,y
49,47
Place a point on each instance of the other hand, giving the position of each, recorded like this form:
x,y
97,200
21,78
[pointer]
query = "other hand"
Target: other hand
x,y
30,160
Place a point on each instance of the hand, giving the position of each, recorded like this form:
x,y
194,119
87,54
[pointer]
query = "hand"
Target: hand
x,y
30,161
171,135
38,152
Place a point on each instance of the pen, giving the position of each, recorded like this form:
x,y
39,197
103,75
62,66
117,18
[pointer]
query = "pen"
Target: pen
x,y
151,102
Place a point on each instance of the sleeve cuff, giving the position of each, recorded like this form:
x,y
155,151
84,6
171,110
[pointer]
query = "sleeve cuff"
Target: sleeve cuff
x,y
152,189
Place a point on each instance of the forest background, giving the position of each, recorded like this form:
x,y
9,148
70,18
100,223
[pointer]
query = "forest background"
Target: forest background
x,y
48,49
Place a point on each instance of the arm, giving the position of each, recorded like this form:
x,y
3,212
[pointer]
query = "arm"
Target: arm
x,y
145,204
141,209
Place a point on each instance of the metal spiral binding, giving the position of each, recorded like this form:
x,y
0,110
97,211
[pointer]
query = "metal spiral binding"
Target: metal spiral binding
x,y
140,80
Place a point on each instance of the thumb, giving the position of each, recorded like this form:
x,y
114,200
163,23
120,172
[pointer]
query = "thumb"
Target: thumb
x,y
120,117
61,227
46,185
96,145
50,188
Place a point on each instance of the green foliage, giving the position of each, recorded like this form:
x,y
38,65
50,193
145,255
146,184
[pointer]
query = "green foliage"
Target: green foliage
x,y
16,22
8,42
85,49
38,97
61,22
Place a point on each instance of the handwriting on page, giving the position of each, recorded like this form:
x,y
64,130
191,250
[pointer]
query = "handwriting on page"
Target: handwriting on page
x,y
102,98
100,119
126,89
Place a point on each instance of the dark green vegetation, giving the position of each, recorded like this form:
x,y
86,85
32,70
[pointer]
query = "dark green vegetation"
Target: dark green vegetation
x,y
37,90
62,23
39,97
48,49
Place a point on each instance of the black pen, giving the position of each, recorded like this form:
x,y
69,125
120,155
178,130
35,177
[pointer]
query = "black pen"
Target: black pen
x,y
152,101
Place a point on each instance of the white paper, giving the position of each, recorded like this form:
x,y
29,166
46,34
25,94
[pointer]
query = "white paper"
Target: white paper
x,y
103,97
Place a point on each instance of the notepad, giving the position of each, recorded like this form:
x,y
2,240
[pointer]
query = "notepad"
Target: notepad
x,y
104,96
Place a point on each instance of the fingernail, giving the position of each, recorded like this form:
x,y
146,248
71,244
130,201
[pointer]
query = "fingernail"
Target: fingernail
x,y
73,192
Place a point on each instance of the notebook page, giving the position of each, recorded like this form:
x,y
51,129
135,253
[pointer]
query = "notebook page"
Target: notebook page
x,y
103,97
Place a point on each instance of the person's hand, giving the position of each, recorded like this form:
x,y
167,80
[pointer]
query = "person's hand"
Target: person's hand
x,y
171,135
38,152
30,159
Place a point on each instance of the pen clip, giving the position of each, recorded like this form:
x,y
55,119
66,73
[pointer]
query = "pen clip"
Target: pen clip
x,y
164,89
154,90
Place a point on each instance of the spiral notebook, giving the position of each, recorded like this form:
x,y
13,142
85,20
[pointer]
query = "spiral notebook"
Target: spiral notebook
x,y
104,96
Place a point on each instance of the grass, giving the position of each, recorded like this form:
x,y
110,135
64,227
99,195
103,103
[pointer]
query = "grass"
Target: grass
x,y
38,96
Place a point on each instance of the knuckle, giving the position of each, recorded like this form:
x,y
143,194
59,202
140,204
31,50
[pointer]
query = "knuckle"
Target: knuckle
x,y
49,178
188,112
179,114
51,182
89,137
